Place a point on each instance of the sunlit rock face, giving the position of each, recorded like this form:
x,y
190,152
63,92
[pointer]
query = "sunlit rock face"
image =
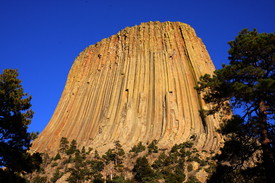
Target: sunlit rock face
x,y
137,85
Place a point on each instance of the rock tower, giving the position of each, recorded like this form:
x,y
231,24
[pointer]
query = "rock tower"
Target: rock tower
x,y
137,85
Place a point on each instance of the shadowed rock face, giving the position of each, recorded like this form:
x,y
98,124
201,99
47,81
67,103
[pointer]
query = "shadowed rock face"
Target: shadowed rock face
x,y
137,85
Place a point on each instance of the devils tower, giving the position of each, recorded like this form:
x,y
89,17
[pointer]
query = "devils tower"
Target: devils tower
x,y
137,85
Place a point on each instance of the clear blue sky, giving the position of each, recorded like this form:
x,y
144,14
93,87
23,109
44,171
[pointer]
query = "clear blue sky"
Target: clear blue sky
x,y
43,37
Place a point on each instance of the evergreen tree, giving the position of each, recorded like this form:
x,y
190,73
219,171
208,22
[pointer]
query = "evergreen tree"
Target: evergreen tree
x,y
72,148
15,116
152,147
57,157
56,176
63,146
80,170
138,148
143,169
83,150
118,152
248,82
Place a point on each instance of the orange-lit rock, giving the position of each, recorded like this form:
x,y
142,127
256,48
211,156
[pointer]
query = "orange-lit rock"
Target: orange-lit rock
x,y
137,85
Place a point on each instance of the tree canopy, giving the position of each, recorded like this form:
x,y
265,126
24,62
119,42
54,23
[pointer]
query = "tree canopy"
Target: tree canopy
x,y
248,83
15,116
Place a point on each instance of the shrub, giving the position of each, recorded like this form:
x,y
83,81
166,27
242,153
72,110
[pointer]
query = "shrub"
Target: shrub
x,y
83,150
152,148
89,150
57,157
177,177
167,161
190,167
56,176
208,170
39,179
190,159
54,164
193,179
189,144
174,148
181,163
188,153
203,163
138,148
157,164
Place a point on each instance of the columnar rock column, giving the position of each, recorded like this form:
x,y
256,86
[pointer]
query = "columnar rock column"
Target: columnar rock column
x,y
137,85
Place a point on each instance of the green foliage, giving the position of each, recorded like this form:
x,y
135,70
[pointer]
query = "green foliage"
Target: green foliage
x,y
63,146
181,163
188,153
117,179
72,148
157,164
15,117
174,157
138,148
158,175
80,171
83,150
177,177
167,161
34,135
208,170
182,152
54,164
118,153
89,150
193,179
143,169
203,163
57,157
69,160
152,147
39,179
174,148
56,176
109,156
97,166
187,144
98,178
96,156
248,83
189,167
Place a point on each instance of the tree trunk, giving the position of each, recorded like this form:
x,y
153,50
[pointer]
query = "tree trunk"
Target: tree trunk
x,y
265,143
105,173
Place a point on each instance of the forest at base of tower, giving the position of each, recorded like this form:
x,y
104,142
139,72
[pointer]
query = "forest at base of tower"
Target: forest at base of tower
x,y
143,163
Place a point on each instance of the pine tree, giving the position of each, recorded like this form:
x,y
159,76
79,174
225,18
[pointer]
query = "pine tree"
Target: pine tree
x,y
15,116
143,169
63,146
248,82
72,148
118,152
57,157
